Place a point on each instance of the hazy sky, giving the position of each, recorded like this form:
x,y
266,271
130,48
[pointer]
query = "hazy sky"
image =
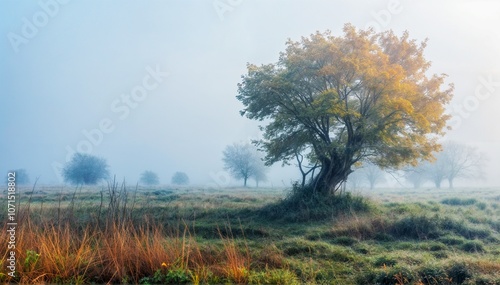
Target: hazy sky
x,y
151,85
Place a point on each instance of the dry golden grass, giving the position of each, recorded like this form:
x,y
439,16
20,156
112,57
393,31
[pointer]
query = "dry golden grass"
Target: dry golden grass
x,y
48,253
360,227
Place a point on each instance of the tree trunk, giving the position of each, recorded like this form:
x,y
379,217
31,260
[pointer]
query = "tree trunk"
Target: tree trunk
x,y
245,182
450,182
438,183
329,178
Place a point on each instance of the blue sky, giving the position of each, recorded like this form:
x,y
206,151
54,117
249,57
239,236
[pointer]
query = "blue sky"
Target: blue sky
x,y
69,74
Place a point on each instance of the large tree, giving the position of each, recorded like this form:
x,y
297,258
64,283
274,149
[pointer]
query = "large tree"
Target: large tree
x,y
85,169
243,162
362,96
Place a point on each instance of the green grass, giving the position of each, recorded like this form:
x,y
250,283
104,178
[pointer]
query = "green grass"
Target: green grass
x,y
402,236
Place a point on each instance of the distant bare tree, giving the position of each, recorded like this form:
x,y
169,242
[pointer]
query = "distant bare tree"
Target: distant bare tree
x,y
371,173
462,161
454,161
355,180
243,162
416,175
437,170
149,178
260,174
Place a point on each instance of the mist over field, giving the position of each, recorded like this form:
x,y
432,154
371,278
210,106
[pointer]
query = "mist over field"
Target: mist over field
x,y
152,85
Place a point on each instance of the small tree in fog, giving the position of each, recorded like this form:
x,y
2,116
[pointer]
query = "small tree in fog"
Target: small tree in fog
x,y
149,178
454,161
260,174
372,174
180,178
461,161
22,177
436,170
416,175
243,162
85,169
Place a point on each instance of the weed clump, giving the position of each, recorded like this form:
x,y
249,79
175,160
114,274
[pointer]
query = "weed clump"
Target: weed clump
x,y
433,275
473,246
459,202
459,272
345,241
274,276
384,261
451,240
417,227
388,276
303,205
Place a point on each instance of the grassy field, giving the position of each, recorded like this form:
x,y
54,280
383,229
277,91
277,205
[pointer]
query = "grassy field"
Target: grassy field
x,y
166,235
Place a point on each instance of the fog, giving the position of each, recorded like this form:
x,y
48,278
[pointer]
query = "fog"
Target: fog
x,y
151,85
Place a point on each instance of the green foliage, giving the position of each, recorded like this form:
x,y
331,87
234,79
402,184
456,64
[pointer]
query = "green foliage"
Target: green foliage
x,y
31,260
341,100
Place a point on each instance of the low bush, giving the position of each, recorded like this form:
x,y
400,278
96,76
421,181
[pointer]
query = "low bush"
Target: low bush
x,y
309,207
459,202
451,240
388,276
417,227
384,261
458,272
345,241
433,274
274,276
473,246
